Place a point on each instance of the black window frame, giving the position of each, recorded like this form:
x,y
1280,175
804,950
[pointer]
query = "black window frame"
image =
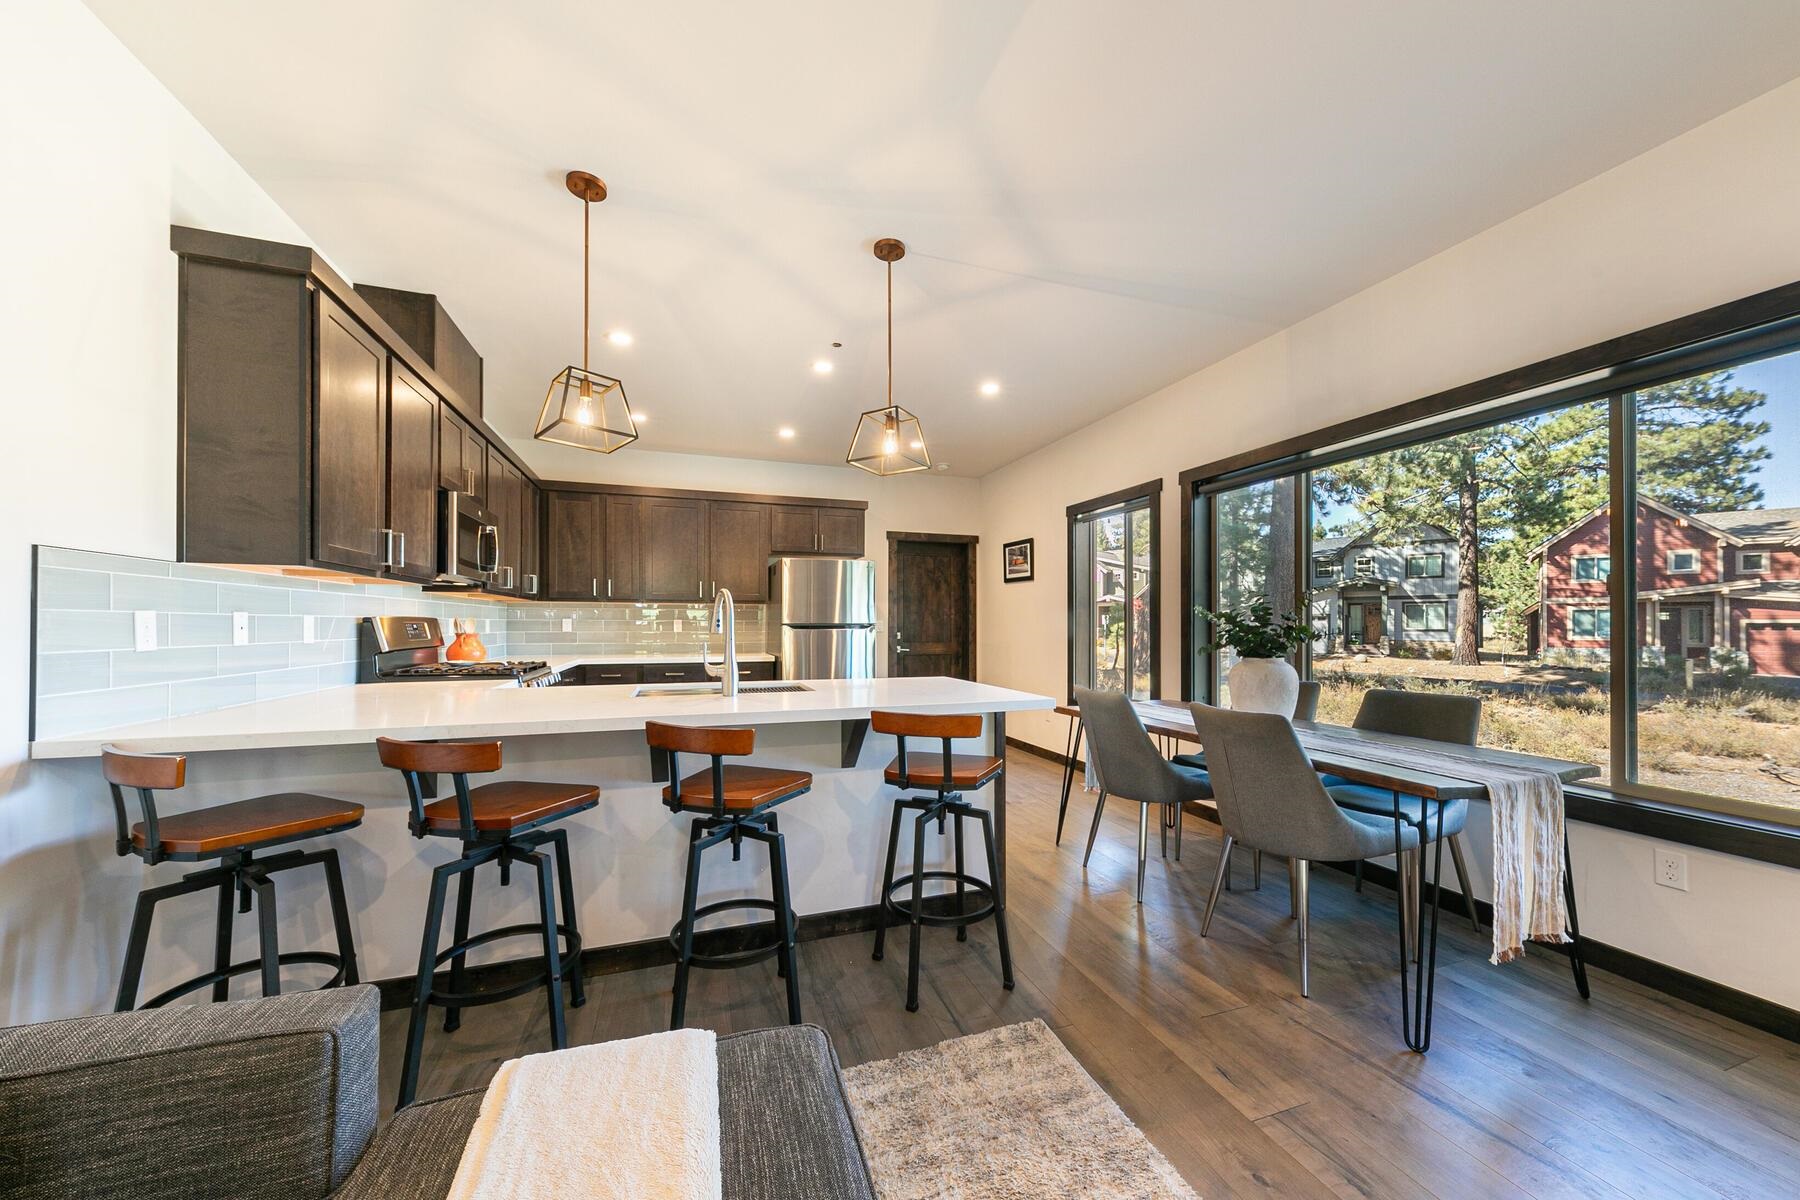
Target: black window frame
x,y
1754,327
1147,495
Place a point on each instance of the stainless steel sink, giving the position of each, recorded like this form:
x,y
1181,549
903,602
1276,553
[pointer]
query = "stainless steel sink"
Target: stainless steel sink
x,y
713,689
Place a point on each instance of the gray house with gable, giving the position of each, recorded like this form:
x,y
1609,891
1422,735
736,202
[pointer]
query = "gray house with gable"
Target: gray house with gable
x,y
1371,595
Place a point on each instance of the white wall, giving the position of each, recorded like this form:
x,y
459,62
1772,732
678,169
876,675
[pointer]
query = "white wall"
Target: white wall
x,y
1709,217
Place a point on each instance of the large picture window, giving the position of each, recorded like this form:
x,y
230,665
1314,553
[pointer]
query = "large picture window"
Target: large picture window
x,y
1113,611
1476,555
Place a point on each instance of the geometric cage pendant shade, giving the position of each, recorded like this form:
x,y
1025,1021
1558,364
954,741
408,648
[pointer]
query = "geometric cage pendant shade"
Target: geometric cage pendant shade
x,y
888,441
587,410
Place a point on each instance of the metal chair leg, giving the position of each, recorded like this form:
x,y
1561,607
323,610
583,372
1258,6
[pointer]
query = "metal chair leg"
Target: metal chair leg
x,y
1143,847
221,990
553,965
1099,807
784,923
340,916
1293,890
1162,826
136,943
685,955
459,933
1462,878
993,861
415,1030
918,910
269,944
565,883
1256,870
1180,820
962,931
887,886
1212,898
1304,905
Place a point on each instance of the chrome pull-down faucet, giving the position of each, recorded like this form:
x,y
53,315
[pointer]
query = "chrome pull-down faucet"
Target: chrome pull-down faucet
x,y
724,620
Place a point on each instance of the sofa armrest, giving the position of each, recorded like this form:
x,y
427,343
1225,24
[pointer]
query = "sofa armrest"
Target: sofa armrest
x,y
271,1097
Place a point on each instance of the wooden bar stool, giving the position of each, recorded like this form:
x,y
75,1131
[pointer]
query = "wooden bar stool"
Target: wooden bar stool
x,y
945,776
734,802
505,823
232,833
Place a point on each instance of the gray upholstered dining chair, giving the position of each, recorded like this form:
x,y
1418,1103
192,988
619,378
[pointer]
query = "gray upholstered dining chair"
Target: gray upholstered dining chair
x,y
1270,798
1437,717
1306,708
1127,765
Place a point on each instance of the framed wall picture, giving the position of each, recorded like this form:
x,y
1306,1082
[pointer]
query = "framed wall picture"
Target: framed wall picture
x,y
1016,561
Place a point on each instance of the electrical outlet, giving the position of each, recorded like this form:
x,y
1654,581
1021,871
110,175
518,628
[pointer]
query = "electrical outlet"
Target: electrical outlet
x,y
568,625
143,629
240,629
309,629
1671,869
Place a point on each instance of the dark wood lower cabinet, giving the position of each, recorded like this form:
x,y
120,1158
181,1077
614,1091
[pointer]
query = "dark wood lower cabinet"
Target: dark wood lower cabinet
x,y
617,674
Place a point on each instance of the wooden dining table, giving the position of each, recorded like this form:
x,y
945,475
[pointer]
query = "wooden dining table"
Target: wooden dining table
x,y
1332,750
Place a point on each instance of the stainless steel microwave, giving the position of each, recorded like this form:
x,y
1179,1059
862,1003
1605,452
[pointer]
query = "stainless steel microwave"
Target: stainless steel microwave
x,y
468,542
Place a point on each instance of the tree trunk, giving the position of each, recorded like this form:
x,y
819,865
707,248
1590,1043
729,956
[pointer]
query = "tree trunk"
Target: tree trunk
x,y
1468,571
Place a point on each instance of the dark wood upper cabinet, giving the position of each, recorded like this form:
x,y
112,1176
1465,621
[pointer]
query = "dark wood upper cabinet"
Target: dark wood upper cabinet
x,y
504,506
422,322
462,456
622,573
350,464
841,531
737,542
793,529
531,524
412,500
574,543
674,549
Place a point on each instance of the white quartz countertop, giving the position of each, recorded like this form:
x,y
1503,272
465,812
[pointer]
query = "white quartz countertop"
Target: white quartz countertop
x,y
359,712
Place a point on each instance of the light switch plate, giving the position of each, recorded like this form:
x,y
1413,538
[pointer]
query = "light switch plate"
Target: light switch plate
x,y
309,629
143,629
240,629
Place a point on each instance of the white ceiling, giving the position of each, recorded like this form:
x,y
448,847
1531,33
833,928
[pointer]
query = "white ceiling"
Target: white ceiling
x,y
1097,200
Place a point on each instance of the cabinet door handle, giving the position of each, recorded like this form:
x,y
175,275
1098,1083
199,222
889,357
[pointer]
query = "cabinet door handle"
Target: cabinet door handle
x,y
608,588
597,588
400,536
506,574
531,585
387,548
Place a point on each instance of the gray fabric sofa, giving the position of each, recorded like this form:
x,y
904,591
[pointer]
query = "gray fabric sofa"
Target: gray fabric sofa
x,y
278,1098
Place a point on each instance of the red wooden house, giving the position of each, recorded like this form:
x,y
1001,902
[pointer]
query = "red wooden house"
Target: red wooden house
x,y
1707,584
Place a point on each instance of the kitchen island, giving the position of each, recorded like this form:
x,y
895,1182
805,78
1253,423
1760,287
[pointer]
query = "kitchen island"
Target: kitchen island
x,y
629,852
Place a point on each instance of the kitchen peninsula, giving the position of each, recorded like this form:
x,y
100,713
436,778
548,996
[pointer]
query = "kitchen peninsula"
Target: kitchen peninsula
x,y
631,847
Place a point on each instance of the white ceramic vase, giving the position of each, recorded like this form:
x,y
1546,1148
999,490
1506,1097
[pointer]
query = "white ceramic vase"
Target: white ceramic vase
x,y
1269,685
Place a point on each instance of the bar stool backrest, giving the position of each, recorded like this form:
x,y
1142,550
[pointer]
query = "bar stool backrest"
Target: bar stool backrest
x,y
717,741
146,773
415,760
932,725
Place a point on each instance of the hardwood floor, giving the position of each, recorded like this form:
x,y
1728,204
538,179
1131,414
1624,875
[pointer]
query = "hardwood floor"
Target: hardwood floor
x,y
1247,1088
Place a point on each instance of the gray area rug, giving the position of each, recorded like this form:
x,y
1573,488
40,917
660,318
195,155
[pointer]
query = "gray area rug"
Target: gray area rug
x,y
1001,1115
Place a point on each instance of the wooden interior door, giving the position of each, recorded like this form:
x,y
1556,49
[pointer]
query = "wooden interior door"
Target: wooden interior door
x,y
931,609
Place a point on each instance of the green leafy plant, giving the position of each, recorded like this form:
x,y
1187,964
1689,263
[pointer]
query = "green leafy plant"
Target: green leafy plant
x,y
1254,631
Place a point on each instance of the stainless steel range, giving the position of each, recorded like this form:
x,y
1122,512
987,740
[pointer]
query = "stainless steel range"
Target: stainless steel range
x,y
395,649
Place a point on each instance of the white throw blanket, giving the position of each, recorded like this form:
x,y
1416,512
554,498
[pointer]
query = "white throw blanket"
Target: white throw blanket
x,y
637,1118
1528,834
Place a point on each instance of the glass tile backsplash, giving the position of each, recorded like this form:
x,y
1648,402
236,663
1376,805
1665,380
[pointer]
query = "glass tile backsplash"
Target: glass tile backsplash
x,y
89,675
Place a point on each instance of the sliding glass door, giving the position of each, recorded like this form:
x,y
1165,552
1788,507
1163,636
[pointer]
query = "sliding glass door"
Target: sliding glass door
x,y
1112,589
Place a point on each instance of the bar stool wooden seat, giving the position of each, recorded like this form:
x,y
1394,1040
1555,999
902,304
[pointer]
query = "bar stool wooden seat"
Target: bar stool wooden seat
x,y
505,823
233,833
733,802
946,775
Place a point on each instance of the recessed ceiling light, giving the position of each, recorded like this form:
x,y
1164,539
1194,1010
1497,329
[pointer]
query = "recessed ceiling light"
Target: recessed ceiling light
x,y
990,387
619,337
785,432
821,366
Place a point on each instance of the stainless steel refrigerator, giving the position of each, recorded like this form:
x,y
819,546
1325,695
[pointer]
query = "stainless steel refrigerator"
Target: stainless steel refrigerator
x,y
826,607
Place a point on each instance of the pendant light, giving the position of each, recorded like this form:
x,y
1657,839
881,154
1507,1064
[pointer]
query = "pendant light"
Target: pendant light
x,y
888,440
584,408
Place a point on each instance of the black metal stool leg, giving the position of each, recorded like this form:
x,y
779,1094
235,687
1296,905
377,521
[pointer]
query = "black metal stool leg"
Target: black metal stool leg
x,y
887,886
1577,960
784,921
135,944
918,909
459,933
270,946
340,916
987,837
553,970
781,967
1073,745
565,879
221,990
415,1030
684,956
962,931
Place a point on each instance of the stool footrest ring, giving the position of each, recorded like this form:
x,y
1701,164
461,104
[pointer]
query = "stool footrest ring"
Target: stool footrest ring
x,y
732,958
323,957
981,887
570,953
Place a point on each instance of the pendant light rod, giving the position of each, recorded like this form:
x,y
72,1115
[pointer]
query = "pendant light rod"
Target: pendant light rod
x,y
890,251
590,189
